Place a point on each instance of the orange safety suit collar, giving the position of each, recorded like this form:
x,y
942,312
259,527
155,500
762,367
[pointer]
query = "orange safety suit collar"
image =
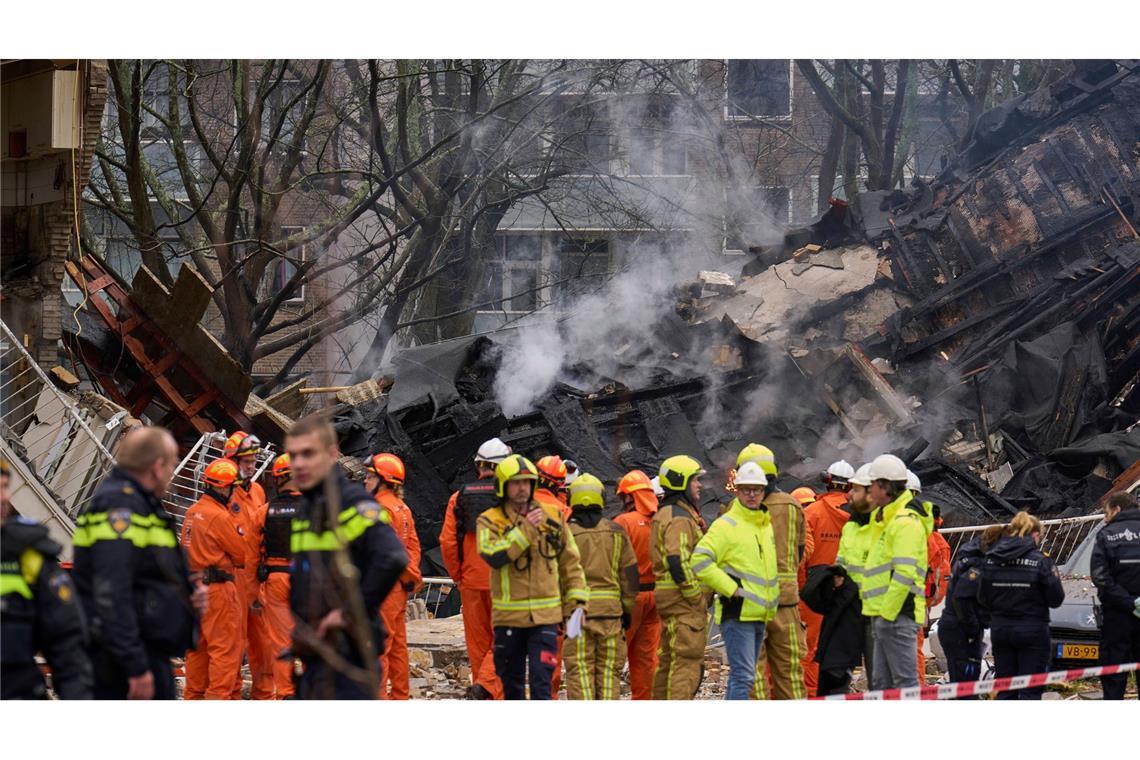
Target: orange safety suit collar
x,y
645,502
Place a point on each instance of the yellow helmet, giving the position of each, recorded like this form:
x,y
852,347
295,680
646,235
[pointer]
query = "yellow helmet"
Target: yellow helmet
x,y
761,455
677,471
587,491
514,467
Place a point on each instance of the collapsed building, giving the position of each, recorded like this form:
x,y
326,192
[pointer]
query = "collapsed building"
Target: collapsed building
x,y
983,326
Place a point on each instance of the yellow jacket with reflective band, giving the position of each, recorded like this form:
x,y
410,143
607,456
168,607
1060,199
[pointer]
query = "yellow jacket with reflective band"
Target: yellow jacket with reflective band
x,y
739,551
854,545
610,568
894,576
536,573
788,526
675,531
350,525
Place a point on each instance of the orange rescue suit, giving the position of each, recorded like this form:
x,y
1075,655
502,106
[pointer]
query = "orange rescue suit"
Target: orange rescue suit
x,y
644,632
255,635
825,519
937,581
473,577
394,609
215,548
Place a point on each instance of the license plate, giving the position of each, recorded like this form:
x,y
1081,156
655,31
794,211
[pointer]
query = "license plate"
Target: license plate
x,y
1078,651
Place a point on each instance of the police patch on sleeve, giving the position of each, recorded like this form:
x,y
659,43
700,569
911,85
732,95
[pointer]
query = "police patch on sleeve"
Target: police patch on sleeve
x,y
972,575
369,510
60,585
119,520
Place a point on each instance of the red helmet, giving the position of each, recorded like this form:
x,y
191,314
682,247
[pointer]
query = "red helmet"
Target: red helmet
x,y
241,444
282,468
388,467
221,473
634,480
552,470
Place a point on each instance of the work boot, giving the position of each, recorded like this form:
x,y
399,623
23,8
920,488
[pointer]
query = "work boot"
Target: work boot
x,y
476,691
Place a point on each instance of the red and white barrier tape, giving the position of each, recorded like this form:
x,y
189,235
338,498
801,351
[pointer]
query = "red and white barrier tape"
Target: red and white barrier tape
x,y
990,686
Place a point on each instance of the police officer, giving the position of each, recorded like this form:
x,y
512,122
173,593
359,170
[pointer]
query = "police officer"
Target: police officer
x,y
338,633
132,576
1116,573
961,629
1018,586
38,612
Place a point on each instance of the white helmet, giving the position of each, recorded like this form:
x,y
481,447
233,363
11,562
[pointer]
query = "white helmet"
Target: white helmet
x,y
888,467
657,489
862,476
913,483
493,451
841,471
572,471
750,474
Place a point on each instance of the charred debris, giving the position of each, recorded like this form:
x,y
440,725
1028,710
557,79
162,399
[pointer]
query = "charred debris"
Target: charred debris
x,y
984,326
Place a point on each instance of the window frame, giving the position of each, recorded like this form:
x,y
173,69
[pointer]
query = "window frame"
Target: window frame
x,y
745,118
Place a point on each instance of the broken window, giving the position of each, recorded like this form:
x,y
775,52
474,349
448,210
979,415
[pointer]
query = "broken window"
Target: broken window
x,y
759,87
583,264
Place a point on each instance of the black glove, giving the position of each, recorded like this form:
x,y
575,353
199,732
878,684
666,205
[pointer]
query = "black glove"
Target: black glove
x,y
626,621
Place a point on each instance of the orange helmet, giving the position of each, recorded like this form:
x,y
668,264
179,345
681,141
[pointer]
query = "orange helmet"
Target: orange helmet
x,y
241,444
552,470
804,495
221,473
282,467
388,467
634,480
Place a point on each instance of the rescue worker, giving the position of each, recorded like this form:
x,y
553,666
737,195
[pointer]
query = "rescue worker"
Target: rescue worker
x,y
551,490
538,579
1017,588
937,566
595,658
1116,572
677,527
248,505
274,574
736,558
384,479
804,495
216,551
781,657
644,631
39,611
962,627
894,590
337,613
131,574
459,546
824,520
855,631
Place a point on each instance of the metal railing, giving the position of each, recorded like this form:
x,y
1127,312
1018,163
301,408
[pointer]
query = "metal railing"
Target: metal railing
x,y
435,592
56,439
1058,539
186,485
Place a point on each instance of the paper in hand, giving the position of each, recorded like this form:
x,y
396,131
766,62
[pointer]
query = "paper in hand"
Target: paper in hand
x,y
574,624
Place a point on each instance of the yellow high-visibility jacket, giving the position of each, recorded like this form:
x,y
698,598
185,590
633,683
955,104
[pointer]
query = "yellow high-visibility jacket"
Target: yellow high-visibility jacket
x,y
894,577
739,551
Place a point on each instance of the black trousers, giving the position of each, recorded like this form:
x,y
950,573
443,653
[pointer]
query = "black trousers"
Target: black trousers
x,y
1020,650
963,659
833,681
1119,644
518,648
322,681
111,681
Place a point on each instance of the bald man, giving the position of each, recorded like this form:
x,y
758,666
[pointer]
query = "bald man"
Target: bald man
x,y
131,574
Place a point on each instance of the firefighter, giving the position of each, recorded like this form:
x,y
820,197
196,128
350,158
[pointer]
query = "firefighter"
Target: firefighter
x,y
784,642
384,479
131,574
39,611
1116,573
595,658
824,520
273,571
460,550
538,580
552,483
338,634
681,602
894,578
216,551
644,631
248,505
